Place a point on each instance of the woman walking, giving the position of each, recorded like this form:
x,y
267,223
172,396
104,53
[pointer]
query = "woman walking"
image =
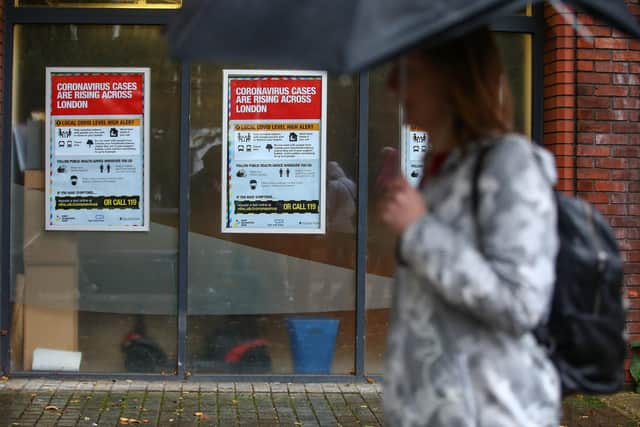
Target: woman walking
x,y
472,281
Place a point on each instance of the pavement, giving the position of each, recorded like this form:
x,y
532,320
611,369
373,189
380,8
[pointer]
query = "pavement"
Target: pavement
x,y
46,402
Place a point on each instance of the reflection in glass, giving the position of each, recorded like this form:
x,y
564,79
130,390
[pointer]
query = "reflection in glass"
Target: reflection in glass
x,y
383,131
244,290
110,296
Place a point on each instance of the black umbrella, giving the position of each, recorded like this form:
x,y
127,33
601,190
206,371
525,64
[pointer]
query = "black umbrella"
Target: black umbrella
x,y
341,35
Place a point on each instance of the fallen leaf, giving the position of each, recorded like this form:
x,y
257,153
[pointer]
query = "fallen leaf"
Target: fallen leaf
x,y
234,402
124,420
298,423
198,414
4,378
129,381
51,408
370,380
134,421
364,406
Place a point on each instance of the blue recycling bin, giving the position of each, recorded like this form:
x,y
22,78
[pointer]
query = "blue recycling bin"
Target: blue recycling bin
x,y
313,341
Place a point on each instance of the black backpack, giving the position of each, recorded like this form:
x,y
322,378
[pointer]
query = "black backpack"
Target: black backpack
x,y
584,334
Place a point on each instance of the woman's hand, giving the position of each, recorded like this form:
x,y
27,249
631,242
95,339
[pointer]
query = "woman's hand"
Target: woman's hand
x,y
401,205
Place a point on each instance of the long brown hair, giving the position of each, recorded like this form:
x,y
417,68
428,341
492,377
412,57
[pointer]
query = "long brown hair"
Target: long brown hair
x,y
479,93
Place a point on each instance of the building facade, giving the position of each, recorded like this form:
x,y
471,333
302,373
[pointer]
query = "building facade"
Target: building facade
x,y
185,300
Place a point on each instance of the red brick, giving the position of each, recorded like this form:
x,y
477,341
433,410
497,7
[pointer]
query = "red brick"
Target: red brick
x,y
584,162
562,77
594,197
593,150
586,186
611,67
598,78
585,43
560,114
595,54
593,174
591,126
559,126
560,66
615,115
611,139
559,101
612,209
626,128
585,90
624,221
625,175
565,162
615,163
625,55
608,43
626,151
626,79
562,55
606,90
609,186
634,68
559,90
598,31
562,149
585,138
585,114
558,138
565,185
593,102
584,66
627,103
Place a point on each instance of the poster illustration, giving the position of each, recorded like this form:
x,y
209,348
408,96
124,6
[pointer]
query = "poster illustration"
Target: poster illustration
x,y
415,144
97,149
274,133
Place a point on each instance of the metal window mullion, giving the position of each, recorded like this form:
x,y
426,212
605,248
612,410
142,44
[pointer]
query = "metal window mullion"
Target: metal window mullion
x,y
183,233
48,15
5,262
538,74
362,231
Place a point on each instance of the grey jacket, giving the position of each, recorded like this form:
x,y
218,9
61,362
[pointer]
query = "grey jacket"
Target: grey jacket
x,y
460,349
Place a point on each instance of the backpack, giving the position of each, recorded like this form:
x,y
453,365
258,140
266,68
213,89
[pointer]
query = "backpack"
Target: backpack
x,y
584,333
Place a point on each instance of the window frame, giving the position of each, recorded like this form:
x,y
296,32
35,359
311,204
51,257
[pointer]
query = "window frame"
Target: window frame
x,y
14,15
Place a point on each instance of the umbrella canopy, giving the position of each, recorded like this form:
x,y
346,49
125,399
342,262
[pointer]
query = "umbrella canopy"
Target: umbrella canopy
x,y
341,35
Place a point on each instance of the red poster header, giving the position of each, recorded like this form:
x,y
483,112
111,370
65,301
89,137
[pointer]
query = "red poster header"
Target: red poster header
x,y
275,98
97,94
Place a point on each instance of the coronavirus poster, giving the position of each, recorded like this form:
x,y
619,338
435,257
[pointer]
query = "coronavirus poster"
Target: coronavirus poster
x,y
415,144
274,127
97,149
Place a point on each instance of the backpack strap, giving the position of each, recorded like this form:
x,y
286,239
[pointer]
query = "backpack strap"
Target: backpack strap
x,y
475,190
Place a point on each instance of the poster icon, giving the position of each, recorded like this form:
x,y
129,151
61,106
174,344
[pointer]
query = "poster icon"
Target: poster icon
x,y
269,147
90,142
74,179
61,144
62,169
113,132
253,184
293,137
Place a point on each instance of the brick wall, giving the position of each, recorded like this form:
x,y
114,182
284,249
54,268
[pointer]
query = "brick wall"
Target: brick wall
x,y
591,123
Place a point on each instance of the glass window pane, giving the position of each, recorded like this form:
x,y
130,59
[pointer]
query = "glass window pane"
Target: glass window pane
x,y
90,292
243,288
383,131
135,4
